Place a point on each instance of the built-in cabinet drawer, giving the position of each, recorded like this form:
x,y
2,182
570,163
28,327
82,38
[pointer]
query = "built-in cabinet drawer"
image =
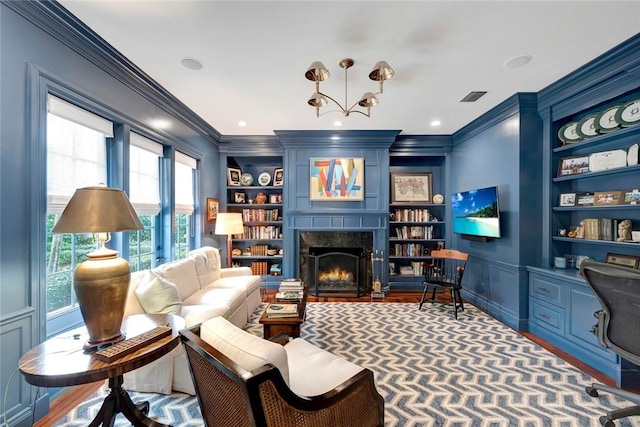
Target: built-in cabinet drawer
x,y
548,291
547,316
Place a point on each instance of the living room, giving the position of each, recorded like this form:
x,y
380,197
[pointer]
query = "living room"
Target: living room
x,y
515,140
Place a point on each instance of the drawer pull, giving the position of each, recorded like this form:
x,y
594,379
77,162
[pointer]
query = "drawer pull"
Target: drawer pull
x,y
544,316
543,289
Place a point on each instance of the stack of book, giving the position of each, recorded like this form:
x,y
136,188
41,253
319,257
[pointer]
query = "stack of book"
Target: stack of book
x,y
282,310
290,290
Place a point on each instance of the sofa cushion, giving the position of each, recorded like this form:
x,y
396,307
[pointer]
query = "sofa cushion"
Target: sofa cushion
x,y
248,284
182,273
245,349
194,314
158,295
314,371
207,261
132,305
233,298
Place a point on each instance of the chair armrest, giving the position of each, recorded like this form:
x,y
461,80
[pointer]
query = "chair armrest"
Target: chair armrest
x,y
235,271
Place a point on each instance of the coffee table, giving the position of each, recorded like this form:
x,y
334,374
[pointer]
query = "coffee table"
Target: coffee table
x,y
288,325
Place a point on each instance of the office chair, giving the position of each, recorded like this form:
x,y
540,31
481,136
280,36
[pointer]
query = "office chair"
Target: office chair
x,y
617,288
445,272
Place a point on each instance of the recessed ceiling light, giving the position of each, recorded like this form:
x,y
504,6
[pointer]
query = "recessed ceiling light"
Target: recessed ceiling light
x,y
337,123
435,123
242,123
517,61
191,63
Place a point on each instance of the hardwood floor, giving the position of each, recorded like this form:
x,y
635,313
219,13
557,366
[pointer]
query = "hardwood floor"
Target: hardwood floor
x,y
73,396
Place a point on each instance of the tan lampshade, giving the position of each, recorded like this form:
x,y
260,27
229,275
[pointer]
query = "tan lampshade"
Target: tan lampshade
x,y
229,223
98,210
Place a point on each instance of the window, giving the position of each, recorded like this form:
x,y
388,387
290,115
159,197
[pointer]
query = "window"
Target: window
x,y
144,194
184,191
76,157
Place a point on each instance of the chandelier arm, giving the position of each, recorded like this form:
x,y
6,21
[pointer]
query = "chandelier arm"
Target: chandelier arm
x,y
368,113
342,109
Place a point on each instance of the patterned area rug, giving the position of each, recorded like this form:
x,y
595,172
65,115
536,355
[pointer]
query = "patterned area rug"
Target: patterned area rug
x,y
431,370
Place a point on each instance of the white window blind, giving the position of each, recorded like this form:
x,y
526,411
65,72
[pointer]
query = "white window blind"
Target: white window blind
x,y
76,153
144,175
184,167
79,116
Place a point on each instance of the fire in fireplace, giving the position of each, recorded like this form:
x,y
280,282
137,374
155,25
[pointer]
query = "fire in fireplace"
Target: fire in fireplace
x,y
336,271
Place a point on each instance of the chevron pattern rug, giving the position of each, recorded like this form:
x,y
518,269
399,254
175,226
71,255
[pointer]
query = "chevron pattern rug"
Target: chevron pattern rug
x,y
431,370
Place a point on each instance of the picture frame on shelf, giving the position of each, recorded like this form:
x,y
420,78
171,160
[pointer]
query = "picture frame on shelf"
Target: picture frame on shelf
x,y
411,187
233,177
213,206
336,179
623,260
573,165
631,197
584,199
239,197
278,177
607,198
568,199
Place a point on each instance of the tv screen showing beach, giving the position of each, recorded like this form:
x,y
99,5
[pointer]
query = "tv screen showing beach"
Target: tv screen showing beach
x,y
476,212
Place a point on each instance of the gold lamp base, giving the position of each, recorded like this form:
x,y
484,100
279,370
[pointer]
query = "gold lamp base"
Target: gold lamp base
x,y
101,284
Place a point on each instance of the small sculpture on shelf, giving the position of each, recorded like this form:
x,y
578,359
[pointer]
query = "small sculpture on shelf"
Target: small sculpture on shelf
x,y
261,198
624,230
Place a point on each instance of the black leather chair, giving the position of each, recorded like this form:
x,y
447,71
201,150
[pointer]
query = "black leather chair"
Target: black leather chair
x,y
445,272
618,291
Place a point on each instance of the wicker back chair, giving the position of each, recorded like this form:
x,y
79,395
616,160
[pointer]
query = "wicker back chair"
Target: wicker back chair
x,y
230,396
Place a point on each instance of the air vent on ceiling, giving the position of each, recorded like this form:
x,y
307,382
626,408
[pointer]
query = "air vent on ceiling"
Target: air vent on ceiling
x,y
473,96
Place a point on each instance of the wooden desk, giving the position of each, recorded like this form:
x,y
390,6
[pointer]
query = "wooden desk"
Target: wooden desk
x,y
61,362
288,325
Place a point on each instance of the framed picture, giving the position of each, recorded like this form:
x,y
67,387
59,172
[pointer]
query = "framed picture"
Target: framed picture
x,y
336,179
233,176
212,209
239,197
584,199
624,260
278,177
411,187
568,199
605,198
631,197
573,165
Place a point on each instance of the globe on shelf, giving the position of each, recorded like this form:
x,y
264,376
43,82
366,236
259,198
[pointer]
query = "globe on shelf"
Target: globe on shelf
x,y
438,199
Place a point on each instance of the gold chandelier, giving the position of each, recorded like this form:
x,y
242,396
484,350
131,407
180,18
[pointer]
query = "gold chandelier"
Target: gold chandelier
x,y
317,73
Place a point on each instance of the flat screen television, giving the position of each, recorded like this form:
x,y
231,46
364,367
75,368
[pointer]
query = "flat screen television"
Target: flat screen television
x,y
475,213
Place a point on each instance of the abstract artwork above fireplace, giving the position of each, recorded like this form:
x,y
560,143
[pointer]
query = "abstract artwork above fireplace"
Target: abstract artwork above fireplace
x,y
333,179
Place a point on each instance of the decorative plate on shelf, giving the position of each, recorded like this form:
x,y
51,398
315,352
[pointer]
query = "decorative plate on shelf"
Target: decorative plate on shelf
x,y
246,179
606,120
264,178
629,114
567,133
586,127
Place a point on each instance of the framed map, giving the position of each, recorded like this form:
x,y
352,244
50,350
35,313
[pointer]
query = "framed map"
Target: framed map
x,y
411,187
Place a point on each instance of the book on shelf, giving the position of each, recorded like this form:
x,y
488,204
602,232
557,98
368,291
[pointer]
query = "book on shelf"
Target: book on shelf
x,y
282,310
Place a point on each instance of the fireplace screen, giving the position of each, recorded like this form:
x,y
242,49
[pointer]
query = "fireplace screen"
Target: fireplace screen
x,y
336,271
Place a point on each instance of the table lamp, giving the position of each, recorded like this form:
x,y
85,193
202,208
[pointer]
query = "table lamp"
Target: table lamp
x,y
101,283
229,223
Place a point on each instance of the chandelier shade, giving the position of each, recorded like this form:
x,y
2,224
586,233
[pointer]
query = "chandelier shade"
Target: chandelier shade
x,y
317,73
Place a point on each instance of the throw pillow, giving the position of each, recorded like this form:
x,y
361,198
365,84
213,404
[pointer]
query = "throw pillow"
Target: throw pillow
x,y
157,295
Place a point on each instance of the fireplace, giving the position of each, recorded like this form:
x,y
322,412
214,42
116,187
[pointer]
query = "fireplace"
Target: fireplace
x,y
336,271
336,263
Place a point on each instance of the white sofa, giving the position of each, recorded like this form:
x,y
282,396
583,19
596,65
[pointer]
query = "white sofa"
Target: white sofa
x,y
197,289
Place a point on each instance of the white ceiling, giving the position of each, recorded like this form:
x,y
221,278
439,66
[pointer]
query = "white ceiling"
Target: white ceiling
x,y
255,54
